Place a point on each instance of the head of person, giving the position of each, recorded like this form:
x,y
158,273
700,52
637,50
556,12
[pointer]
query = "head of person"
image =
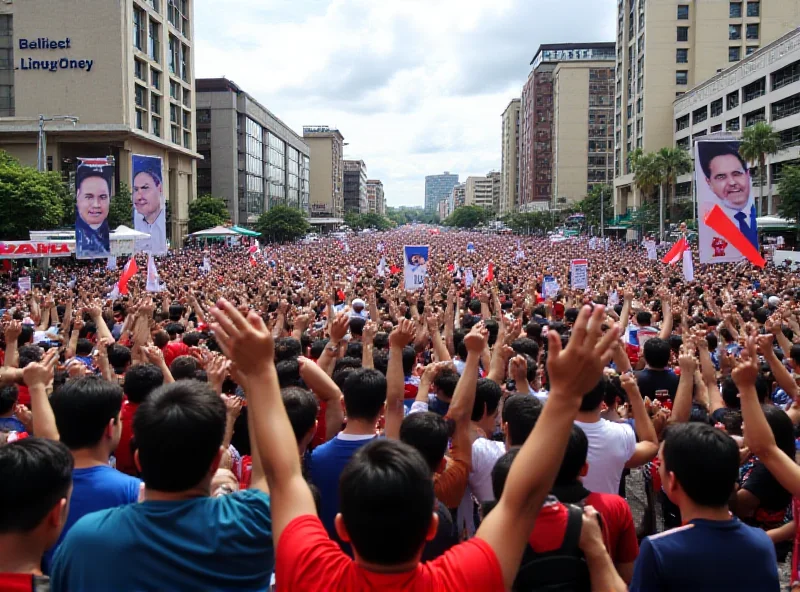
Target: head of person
x,y
487,400
175,313
302,408
445,384
34,503
364,393
140,381
87,413
726,173
409,357
387,474
527,346
184,368
84,347
175,330
644,318
574,464
656,353
287,348
520,413
9,394
25,336
148,193
93,194
119,357
358,306
699,465
429,434
188,419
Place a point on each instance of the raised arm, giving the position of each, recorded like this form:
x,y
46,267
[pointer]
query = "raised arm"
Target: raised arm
x,y
439,347
331,353
395,380
647,446
12,333
666,322
367,343
682,406
37,377
325,390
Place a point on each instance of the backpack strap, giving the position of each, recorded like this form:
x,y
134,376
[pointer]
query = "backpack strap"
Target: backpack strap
x,y
572,536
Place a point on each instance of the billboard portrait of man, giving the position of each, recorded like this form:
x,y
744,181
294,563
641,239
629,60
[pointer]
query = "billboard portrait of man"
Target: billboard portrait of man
x,y
723,179
415,266
149,203
93,183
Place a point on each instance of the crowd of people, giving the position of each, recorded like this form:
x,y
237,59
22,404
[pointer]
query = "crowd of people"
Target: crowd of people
x,y
294,419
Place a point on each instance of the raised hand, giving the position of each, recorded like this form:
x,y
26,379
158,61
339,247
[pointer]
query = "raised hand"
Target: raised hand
x,y
477,339
369,332
339,327
245,341
13,331
41,373
687,362
746,371
403,334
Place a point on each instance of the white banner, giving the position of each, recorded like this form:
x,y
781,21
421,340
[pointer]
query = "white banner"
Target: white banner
x,y
24,284
550,287
579,274
415,266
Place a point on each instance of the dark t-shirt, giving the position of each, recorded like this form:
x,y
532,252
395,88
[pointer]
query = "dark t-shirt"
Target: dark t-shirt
x,y
773,498
446,535
654,383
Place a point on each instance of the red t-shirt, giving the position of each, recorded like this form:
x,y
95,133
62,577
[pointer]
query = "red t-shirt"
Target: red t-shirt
x,y
307,559
24,396
175,349
123,453
319,435
12,582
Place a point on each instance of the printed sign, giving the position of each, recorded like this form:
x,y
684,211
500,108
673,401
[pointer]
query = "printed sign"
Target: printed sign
x,y
579,274
415,263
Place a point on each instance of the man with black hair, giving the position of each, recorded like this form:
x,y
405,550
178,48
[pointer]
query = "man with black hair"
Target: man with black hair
x,y
180,538
140,381
87,413
9,395
657,380
183,367
520,413
33,508
302,408
176,347
699,467
93,197
287,348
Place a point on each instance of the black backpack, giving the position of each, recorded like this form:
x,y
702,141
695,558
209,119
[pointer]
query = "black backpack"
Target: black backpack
x,y
562,570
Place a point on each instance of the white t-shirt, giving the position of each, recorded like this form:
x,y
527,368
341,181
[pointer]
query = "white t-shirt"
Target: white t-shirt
x,y
611,445
485,453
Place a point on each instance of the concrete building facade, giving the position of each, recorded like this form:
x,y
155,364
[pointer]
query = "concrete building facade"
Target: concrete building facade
x,y
376,197
444,209
509,167
664,48
479,191
125,69
583,129
326,146
457,197
763,87
537,114
355,187
497,186
437,188
251,159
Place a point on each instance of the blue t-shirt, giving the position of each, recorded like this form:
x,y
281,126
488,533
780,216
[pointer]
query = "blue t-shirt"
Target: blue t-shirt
x,y
707,555
326,466
204,543
95,489
11,424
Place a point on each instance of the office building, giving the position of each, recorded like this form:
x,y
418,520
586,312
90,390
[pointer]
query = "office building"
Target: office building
x,y
479,191
536,191
509,167
497,185
326,146
438,187
762,87
664,48
583,128
376,197
443,209
124,69
457,197
355,187
251,159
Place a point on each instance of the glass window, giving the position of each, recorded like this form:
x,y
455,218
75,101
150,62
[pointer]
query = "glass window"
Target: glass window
x,y
138,69
156,126
682,123
176,135
786,75
187,98
154,4
732,100
754,9
682,55
153,43
754,90
716,108
752,31
754,117
699,115
683,33
716,128
187,120
138,27
140,97
6,58
682,77
734,54
173,114
155,78
184,62
139,119
786,107
751,49
736,10
683,12
174,90
203,116
174,54
155,104
187,139
734,32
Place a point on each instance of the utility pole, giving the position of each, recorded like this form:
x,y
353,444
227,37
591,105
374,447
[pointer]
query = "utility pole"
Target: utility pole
x,y
41,148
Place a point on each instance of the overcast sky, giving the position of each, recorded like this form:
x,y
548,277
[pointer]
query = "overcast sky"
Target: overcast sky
x,y
416,87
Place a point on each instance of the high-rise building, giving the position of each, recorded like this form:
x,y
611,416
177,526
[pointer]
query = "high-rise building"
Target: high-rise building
x,y
123,69
665,48
583,128
375,197
479,191
497,185
457,197
326,146
355,187
233,129
509,168
536,118
444,209
438,187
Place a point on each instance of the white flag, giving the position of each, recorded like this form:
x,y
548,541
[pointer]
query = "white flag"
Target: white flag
x,y
688,266
206,264
153,283
382,267
111,265
613,298
380,247
469,278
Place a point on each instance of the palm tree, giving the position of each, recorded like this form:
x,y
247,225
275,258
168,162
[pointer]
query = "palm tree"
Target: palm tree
x,y
648,174
759,141
673,163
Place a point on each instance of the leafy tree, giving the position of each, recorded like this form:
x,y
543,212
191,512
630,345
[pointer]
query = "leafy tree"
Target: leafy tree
x,y
29,199
398,216
759,141
538,222
207,211
467,217
282,224
120,210
590,205
673,162
649,174
646,217
789,190
376,221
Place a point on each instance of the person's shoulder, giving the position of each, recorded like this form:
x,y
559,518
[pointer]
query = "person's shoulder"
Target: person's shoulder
x,y
611,501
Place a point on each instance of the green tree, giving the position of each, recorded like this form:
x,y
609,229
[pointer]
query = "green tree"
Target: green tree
x,y
467,217
282,224
120,210
376,221
789,190
29,199
646,217
207,211
396,215
673,162
589,206
648,174
758,142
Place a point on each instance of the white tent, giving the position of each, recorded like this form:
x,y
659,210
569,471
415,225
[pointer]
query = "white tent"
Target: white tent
x,y
215,232
123,232
767,222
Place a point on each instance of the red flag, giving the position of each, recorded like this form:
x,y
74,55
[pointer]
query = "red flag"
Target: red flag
x,y
340,294
130,270
717,221
490,272
451,268
394,269
676,252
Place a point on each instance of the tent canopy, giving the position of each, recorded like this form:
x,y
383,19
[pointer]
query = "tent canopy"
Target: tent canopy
x,y
124,232
216,231
767,222
245,231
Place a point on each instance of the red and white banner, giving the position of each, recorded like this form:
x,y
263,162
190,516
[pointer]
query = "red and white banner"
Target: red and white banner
x,y
35,249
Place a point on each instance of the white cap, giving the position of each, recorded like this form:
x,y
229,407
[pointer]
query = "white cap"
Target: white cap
x,y
358,303
774,301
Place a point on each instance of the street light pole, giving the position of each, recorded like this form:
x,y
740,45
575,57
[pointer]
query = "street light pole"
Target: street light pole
x,y
602,212
41,148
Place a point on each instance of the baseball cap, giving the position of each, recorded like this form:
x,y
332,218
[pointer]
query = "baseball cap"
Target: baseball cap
x,y
774,301
358,303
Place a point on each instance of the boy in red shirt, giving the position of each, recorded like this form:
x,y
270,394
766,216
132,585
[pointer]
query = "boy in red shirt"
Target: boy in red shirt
x,y
387,499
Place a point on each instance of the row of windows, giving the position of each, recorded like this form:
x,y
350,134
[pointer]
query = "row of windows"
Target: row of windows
x,y
753,9
735,31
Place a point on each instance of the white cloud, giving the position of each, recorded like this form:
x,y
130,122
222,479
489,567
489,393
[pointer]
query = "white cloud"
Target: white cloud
x,y
416,87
